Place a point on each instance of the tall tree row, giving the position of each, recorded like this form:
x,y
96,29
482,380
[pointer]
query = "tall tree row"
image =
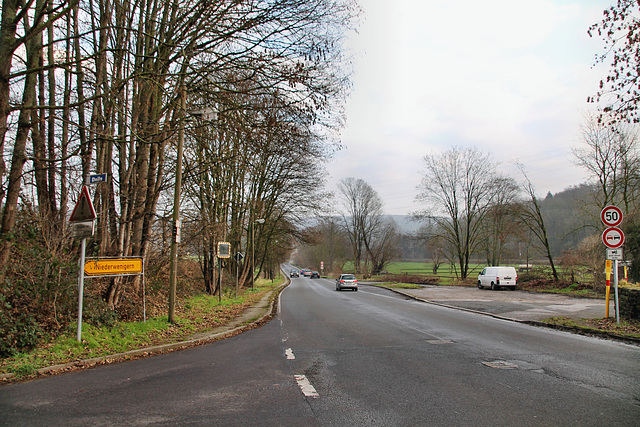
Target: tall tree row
x,y
95,87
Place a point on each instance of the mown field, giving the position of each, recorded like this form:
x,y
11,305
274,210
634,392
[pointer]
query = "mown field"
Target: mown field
x,y
576,280
446,274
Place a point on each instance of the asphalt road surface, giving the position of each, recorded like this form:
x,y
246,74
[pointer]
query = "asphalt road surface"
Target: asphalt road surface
x,y
366,358
518,305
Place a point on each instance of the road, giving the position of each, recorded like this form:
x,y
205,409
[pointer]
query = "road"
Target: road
x,y
370,358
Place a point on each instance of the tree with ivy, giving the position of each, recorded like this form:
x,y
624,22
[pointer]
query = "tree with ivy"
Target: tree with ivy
x,y
632,251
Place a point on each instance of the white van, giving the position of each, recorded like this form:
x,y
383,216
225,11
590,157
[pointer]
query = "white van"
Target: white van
x,y
498,277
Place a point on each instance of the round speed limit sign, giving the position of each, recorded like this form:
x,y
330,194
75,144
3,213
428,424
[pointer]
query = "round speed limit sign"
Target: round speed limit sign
x,y
611,216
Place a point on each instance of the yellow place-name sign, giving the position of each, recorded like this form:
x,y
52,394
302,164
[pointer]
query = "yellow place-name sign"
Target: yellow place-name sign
x,y
112,266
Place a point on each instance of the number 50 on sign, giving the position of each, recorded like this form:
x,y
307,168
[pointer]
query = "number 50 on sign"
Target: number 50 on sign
x,y
611,216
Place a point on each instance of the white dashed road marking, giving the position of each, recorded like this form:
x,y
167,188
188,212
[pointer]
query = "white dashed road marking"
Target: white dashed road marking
x,y
289,353
500,364
306,387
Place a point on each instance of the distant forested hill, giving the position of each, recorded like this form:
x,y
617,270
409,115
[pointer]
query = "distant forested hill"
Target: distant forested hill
x,y
570,217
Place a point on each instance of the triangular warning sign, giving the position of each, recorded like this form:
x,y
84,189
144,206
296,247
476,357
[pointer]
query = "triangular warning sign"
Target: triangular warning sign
x,y
84,210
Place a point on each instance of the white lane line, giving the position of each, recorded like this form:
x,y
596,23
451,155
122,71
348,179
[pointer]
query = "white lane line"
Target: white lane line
x,y
289,353
306,387
440,341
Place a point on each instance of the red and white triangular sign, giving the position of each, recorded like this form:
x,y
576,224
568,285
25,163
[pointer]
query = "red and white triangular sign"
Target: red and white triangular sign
x,y
84,210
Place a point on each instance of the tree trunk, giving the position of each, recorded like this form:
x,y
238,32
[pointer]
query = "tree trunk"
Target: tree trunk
x,y
40,164
9,214
8,45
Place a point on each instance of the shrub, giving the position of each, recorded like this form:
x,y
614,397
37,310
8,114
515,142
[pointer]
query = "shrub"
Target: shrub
x,y
18,331
409,278
97,313
38,296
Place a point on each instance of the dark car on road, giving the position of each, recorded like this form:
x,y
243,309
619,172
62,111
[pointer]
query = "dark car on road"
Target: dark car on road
x,y
346,281
315,275
294,273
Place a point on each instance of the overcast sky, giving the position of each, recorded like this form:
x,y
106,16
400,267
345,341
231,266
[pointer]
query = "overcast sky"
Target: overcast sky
x,y
510,77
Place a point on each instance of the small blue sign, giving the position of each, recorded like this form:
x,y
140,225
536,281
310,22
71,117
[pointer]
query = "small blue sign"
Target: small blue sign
x,y
95,179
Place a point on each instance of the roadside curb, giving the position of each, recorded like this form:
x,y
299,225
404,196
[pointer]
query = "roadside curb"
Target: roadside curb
x,y
245,325
572,329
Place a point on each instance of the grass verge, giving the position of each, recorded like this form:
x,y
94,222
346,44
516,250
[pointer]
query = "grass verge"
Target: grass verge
x,y
626,328
196,315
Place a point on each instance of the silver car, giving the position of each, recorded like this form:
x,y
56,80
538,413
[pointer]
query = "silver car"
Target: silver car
x,y
346,281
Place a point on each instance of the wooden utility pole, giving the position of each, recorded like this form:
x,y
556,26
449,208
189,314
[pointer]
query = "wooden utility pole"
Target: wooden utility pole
x,y
175,238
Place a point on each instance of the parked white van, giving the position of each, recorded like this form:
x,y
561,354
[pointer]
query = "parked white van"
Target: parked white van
x,y
498,277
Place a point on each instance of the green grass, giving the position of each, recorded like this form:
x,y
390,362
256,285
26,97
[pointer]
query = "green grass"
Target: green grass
x,y
626,328
573,289
96,342
410,267
447,276
421,268
446,272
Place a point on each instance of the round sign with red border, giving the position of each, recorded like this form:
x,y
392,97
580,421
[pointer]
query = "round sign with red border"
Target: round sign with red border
x,y
613,237
611,216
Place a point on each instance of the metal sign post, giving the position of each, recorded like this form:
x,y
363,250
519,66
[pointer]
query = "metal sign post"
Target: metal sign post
x,y
238,257
615,278
607,272
224,251
613,238
84,215
219,279
83,246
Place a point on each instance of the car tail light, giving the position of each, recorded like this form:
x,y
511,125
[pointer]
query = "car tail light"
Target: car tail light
x,y
497,280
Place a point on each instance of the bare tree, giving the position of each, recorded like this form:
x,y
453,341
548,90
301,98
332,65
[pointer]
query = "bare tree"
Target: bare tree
x,y
431,237
361,218
532,218
609,153
382,244
498,225
325,242
458,185
273,67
